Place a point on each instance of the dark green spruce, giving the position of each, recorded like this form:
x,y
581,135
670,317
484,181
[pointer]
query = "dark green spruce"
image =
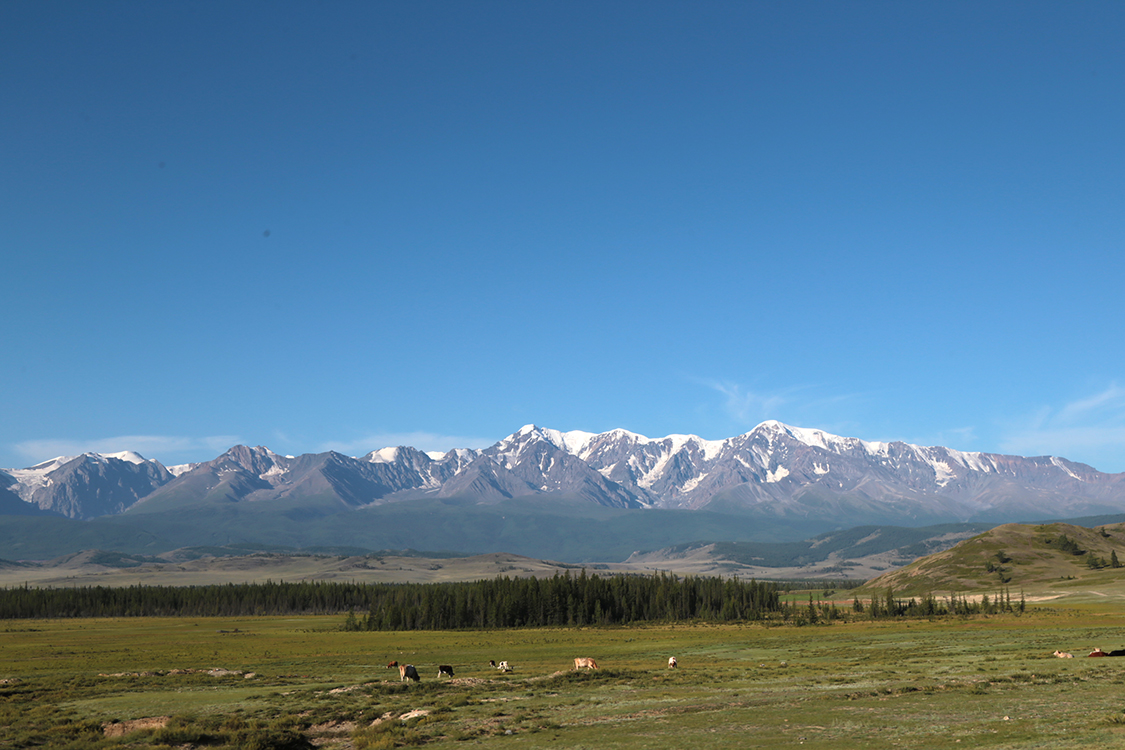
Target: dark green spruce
x,y
562,600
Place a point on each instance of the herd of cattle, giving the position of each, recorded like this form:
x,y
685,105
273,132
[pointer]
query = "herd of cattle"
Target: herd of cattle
x,y
1096,652
410,672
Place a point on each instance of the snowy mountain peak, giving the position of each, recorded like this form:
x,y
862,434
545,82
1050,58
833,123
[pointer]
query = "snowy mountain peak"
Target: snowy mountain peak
x,y
258,460
572,442
776,469
131,456
383,456
815,438
49,465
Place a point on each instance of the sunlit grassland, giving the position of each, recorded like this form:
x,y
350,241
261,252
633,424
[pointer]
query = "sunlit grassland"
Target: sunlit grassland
x,y
977,682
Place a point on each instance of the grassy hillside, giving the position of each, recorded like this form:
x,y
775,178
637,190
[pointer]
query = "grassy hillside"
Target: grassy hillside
x,y
1044,560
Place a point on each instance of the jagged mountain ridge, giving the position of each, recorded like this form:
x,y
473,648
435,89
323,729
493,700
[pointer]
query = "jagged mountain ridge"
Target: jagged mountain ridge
x,y
774,469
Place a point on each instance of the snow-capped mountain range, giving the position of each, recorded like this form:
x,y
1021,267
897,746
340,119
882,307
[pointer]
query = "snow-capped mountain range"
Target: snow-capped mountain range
x,y
774,469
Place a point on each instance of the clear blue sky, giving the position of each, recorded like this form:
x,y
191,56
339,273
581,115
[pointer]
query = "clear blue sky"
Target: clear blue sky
x,y
351,225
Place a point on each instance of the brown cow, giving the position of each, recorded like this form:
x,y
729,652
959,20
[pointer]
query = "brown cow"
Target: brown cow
x,y
585,661
408,672
392,665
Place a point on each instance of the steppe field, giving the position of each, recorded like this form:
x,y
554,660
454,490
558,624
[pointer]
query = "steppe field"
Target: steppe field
x,y
292,682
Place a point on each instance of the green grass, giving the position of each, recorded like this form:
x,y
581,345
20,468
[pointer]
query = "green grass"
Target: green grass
x,y
1033,564
985,682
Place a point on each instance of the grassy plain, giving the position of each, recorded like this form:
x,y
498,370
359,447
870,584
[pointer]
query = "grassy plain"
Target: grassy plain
x,y
298,681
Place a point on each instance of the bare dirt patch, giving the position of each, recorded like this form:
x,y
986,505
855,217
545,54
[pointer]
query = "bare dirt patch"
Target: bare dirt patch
x,y
122,728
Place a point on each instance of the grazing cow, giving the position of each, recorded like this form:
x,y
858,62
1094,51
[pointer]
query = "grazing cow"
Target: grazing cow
x,y
504,666
444,669
408,672
492,663
1098,652
1064,655
392,665
585,661
671,662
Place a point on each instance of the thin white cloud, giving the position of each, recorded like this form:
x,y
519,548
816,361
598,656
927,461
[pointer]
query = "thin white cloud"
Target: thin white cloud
x,y
165,448
1109,405
423,441
800,405
1090,429
745,405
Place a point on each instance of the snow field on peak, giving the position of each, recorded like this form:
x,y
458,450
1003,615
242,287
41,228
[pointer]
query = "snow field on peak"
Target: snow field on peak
x,y
179,469
130,456
383,456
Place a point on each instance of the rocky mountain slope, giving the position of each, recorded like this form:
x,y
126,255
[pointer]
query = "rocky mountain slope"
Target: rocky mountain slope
x,y
774,470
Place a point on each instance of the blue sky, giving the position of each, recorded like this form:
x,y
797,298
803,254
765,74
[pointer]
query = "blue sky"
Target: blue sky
x,y
351,225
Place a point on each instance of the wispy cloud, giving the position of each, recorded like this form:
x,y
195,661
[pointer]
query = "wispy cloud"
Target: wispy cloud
x,y
801,405
744,405
1088,429
162,447
423,441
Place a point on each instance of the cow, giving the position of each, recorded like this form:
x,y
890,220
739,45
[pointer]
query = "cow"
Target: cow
x,y
1098,652
408,672
504,666
671,662
392,665
444,669
585,661
1063,655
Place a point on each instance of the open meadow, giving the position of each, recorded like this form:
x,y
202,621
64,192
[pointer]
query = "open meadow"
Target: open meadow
x,y
277,682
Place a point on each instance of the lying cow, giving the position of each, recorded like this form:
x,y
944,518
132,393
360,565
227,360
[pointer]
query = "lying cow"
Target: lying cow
x,y
1063,655
1097,652
585,662
444,669
408,672
671,662
503,666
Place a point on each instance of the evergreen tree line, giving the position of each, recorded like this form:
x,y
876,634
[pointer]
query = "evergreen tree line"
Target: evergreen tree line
x,y
498,603
931,606
220,600
566,600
